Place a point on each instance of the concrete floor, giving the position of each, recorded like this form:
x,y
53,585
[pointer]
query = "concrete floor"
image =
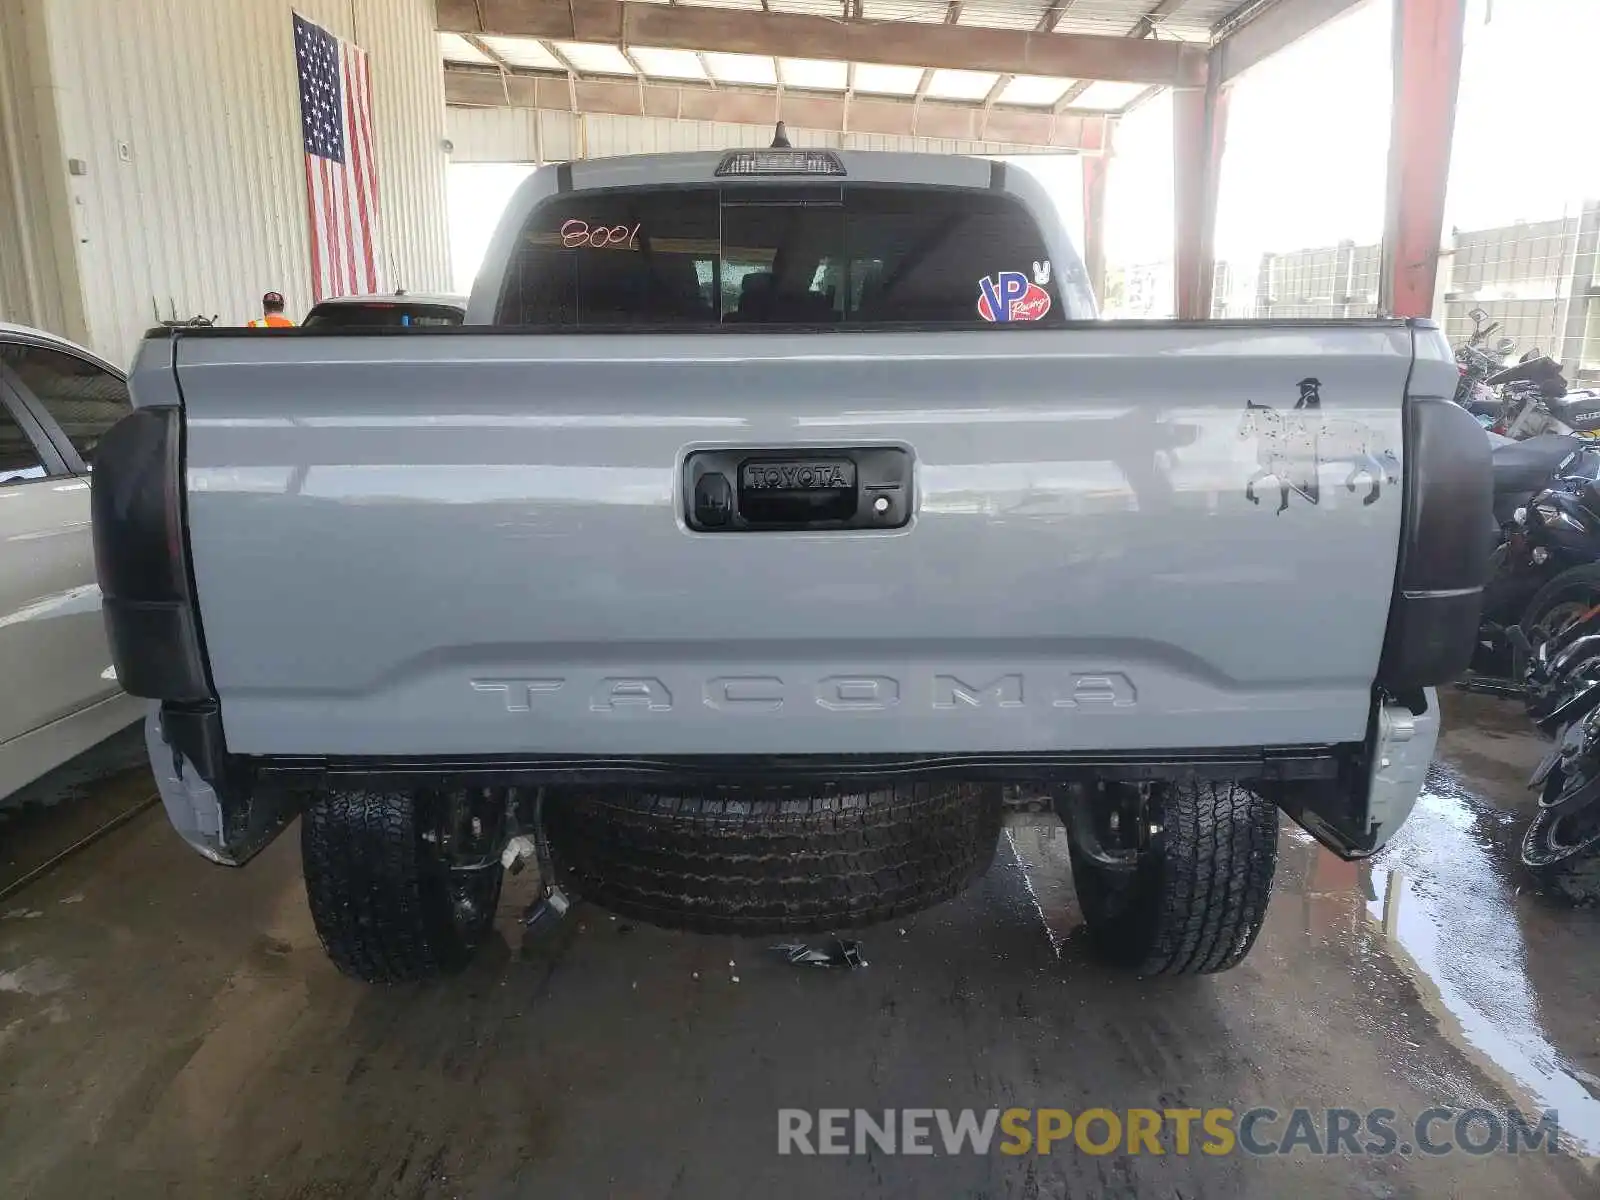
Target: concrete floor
x,y
169,1028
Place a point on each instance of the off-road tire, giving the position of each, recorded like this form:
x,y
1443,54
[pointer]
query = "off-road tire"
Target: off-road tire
x,y
773,860
1195,902
380,896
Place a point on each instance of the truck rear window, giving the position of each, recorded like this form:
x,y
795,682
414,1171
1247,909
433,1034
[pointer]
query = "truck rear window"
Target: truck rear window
x,y
786,255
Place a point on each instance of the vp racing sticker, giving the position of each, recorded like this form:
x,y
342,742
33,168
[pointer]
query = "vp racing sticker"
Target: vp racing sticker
x,y
1011,296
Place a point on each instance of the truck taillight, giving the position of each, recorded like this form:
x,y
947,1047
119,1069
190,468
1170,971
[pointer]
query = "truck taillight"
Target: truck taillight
x,y
1444,556
141,558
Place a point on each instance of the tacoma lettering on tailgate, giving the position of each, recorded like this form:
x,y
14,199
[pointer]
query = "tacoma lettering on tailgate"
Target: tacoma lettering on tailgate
x,y
1098,690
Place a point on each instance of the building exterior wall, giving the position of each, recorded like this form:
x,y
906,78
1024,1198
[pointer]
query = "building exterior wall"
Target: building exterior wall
x,y
38,263
408,104
185,116
1539,281
510,135
530,135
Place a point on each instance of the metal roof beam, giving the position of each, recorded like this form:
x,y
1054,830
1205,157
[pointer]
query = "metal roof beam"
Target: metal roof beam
x,y
901,116
952,14
1144,97
741,31
1052,15
483,48
1258,30
1071,94
1146,25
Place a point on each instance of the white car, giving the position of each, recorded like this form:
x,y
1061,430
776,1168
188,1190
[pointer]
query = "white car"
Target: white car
x,y
58,690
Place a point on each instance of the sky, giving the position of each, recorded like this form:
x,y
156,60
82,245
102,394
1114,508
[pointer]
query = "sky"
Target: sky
x,y
1530,94
1307,143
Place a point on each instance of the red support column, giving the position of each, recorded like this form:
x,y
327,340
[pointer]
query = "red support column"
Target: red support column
x,y
1095,169
1199,129
1427,71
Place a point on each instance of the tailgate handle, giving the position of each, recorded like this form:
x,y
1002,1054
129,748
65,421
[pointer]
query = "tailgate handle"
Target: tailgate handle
x,y
749,490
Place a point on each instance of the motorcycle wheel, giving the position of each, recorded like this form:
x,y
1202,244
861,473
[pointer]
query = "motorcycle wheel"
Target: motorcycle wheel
x,y
1559,849
1555,606
1572,784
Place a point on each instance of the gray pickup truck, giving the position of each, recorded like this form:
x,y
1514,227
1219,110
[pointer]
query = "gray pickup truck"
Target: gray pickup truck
x,y
773,511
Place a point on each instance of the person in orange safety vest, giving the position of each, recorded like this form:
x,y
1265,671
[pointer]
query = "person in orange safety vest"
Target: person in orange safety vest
x,y
272,313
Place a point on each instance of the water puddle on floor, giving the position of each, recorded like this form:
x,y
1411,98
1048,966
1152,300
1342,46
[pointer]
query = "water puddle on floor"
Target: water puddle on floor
x,y
1445,912
1441,906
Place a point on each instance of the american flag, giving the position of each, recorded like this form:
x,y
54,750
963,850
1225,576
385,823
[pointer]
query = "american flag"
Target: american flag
x,y
341,175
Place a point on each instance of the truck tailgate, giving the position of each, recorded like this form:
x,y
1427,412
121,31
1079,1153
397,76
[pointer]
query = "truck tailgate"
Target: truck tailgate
x,y
474,543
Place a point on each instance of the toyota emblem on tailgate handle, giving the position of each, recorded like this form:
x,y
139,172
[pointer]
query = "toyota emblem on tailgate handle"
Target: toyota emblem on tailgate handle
x,y
753,490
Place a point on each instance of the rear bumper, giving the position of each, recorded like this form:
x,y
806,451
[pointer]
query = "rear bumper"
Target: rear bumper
x,y
227,817
1351,796
1284,763
1356,814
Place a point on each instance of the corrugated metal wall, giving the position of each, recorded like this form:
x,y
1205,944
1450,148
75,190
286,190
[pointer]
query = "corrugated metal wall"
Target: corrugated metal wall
x,y
521,135
1535,256
408,104
526,135
38,268
186,118
1328,281
1539,280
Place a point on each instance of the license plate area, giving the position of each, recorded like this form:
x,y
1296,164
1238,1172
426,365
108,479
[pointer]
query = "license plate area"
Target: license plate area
x,y
753,489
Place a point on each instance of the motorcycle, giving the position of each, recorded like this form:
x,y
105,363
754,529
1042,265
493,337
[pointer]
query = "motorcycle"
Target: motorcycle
x,y
1526,399
1577,411
1523,469
1534,400
1561,846
1476,363
1546,569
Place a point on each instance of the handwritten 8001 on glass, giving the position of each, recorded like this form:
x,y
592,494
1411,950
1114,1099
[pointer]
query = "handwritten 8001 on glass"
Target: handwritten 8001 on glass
x,y
576,233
